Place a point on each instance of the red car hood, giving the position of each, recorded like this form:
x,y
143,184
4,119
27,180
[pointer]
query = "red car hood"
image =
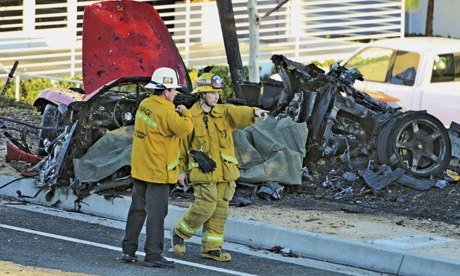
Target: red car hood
x,y
126,39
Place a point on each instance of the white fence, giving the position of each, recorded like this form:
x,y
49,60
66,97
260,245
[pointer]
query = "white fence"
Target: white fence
x,y
301,29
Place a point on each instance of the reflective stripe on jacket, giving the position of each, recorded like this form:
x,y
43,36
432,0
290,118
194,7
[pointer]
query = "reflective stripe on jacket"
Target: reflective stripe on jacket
x,y
157,130
215,138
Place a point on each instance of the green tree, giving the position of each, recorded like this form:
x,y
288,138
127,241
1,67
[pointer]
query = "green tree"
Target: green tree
x,y
66,84
30,88
9,93
412,5
6,102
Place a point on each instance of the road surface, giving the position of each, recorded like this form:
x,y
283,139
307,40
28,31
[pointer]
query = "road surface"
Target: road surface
x,y
43,238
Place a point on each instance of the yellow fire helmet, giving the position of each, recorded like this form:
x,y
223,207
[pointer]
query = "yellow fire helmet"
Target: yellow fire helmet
x,y
208,82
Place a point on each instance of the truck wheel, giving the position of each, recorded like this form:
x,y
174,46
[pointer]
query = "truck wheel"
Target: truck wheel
x,y
51,118
420,144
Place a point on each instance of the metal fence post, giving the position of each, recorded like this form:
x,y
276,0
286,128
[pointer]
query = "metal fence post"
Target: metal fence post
x,y
28,16
403,18
187,32
72,26
296,26
17,86
253,41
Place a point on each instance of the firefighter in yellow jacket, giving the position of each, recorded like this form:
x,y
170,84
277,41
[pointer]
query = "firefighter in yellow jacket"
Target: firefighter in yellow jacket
x,y
212,135
154,166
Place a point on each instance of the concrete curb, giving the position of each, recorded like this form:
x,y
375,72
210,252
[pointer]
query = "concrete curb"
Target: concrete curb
x,y
312,245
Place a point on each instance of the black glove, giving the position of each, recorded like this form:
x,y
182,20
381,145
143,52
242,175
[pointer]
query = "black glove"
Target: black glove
x,y
205,162
186,99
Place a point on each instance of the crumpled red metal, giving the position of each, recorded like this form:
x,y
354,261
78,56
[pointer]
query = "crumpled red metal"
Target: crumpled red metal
x,y
15,154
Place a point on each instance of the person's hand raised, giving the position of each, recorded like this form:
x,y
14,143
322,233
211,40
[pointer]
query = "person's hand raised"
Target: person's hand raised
x,y
262,113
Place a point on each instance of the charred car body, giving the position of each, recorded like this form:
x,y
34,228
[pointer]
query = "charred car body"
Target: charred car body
x,y
123,43
343,119
127,41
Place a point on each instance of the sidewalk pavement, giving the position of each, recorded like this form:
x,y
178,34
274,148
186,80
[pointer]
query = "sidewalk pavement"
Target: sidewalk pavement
x,y
377,257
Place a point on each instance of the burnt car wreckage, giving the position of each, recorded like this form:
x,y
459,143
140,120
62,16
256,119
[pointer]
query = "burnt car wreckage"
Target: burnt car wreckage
x,y
382,144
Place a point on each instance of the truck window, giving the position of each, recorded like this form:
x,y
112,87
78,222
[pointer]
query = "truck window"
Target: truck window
x,y
372,62
457,66
443,68
405,68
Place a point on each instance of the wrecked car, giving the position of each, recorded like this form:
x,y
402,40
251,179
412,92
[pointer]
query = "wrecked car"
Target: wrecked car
x,y
127,41
347,123
123,43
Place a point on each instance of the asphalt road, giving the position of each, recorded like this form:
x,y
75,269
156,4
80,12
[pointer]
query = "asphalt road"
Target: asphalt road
x,y
52,240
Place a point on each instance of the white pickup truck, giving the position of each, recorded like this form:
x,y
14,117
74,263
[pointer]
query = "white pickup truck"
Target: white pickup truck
x,y
417,73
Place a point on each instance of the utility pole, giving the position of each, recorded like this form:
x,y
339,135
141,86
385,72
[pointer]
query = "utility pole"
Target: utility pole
x,y
232,48
254,74
254,24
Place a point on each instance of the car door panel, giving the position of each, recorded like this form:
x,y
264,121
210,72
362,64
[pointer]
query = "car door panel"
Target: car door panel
x,y
442,101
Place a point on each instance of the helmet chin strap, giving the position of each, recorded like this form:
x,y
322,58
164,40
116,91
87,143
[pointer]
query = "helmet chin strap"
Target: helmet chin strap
x,y
204,101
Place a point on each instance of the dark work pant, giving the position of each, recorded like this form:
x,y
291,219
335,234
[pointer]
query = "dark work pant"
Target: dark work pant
x,y
148,200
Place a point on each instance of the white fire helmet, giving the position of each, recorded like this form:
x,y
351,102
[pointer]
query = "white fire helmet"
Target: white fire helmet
x,y
163,78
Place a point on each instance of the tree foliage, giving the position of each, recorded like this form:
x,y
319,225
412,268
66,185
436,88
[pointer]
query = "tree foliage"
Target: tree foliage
x,y
29,89
413,5
6,101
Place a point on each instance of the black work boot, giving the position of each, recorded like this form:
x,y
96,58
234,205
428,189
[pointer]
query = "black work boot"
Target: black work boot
x,y
162,262
129,258
177,243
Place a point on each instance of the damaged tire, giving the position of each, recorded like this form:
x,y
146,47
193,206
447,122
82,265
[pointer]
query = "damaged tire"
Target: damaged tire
x,y
417,142
383,149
